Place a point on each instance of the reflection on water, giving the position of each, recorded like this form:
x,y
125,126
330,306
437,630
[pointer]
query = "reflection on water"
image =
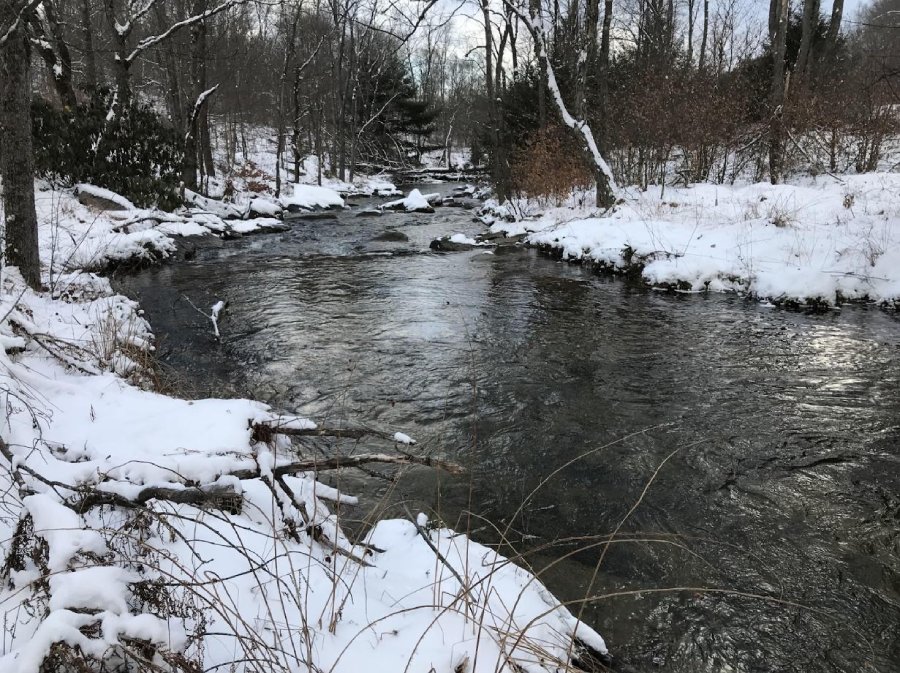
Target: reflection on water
x,y
786,481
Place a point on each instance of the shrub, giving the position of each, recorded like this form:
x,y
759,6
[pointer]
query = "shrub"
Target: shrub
x,y
135,154
550,165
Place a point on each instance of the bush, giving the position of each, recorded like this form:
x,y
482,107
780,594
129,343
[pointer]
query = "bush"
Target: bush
x,y
136,154
550,165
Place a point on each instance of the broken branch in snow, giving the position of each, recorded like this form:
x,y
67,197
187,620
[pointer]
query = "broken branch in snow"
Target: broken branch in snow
x,y
217,309
214,495
226,497
213,316
262,432
57,350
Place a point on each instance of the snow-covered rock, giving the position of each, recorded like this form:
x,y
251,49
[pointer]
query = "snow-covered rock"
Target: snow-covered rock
x,y
101,199
262,207
413,203
310,197
226,211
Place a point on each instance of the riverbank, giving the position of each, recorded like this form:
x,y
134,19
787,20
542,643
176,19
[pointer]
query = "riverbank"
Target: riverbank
x,y
178,533
817,242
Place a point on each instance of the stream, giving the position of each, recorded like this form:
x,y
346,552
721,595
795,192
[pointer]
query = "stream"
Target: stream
x,y
770,439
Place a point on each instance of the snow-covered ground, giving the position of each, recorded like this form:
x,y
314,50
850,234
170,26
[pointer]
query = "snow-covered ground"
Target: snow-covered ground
x,y
822,241
188,535
254,171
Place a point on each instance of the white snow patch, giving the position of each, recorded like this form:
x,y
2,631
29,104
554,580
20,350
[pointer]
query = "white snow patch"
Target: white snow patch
x,y
308,197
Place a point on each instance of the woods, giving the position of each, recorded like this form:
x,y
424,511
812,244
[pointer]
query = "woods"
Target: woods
x,y
632,92
651,90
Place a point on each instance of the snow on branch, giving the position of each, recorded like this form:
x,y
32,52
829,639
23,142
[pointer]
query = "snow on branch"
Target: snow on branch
x,y
535,27
153,40
18,20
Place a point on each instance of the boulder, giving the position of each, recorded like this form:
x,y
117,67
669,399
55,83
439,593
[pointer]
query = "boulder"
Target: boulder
x,y
101,199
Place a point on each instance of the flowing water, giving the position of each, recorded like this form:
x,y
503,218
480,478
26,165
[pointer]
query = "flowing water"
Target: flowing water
x,y
783,490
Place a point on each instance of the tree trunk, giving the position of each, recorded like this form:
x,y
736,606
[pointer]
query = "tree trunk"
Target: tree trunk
x,y
603,75
778,38
810,19
203,122
16,157
121,64
703,39
587,55
534,8
834,29
56,55
498,156
87,38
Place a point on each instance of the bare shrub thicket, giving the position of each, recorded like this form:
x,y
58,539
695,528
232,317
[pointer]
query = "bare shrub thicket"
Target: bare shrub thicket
x,y
549,166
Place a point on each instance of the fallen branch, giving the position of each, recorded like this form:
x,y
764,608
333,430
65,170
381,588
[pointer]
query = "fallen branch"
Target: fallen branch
x,y
340,462
220,497
226,497
263,431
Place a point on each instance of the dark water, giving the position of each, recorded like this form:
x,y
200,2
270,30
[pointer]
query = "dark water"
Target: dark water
x,y
785,481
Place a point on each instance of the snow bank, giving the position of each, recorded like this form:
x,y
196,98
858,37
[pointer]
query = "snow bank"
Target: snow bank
x,y
821,242
309,197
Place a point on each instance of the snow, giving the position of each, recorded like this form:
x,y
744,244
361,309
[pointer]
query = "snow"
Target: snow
x,y
183,229
819,241
380,187
96,588
265,571
226,211
309,197
413,202
214,314
265,207
106,194
462,238
255,225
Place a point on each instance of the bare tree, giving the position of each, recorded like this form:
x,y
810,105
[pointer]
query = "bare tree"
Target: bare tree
x,y
16,156
808,27
778,27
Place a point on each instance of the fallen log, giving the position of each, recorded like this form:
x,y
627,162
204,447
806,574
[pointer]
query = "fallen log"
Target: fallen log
x,y
227,498
341,462
262,432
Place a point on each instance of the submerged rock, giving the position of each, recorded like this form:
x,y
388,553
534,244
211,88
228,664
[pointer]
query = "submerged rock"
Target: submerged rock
x,y
310,214
392,236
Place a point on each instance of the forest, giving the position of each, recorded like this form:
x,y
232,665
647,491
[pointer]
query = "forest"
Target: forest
x,y
684,92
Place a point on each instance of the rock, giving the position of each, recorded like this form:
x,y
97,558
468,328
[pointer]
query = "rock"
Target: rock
x,y
414,203
391,235
101,199
369,212
310,214
446,245
226,211
262,207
